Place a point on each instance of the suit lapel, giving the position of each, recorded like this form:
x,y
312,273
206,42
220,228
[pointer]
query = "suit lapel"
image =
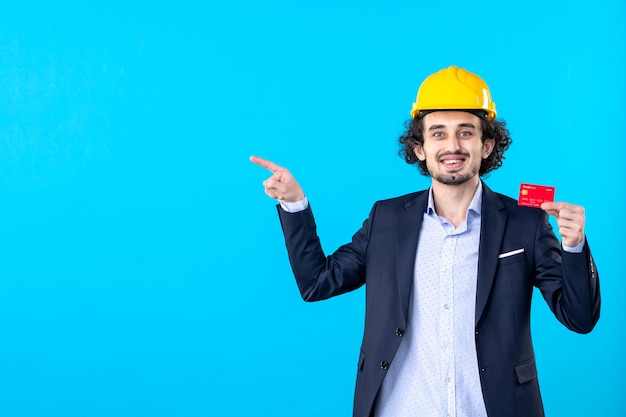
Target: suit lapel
x,y
409,226
493,223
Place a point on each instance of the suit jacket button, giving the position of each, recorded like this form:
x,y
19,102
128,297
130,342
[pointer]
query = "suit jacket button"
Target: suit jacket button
x,y
399,332
384,365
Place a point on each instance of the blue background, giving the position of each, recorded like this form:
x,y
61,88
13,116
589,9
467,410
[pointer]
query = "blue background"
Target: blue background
x,y
142,269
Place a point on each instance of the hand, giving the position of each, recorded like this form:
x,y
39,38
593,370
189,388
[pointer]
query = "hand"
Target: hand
x,y
571,221
281,185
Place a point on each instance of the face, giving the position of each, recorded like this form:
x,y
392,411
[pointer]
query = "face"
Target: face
x,y
453,148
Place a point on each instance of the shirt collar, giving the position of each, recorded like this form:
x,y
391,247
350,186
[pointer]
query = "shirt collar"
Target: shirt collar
x,y
475,205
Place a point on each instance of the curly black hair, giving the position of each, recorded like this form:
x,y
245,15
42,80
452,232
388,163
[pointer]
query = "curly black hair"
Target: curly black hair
x,y
495,129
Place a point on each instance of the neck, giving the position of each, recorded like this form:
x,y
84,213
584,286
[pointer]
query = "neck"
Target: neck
x,y
452,201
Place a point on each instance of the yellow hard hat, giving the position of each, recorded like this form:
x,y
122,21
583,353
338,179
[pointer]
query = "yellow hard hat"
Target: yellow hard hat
x,y
454,88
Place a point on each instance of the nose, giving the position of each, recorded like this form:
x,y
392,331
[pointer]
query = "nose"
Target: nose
x,y
454,144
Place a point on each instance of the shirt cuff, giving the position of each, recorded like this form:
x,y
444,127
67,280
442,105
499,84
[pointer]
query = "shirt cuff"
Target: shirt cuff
x,y
575,249
295,206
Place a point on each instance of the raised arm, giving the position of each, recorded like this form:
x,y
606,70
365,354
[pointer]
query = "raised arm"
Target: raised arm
x,y
574,293
318,276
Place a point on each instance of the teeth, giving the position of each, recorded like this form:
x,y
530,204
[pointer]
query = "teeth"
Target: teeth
x,y
452,161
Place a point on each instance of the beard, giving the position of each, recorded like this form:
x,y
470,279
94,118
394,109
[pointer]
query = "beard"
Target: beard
x,y
454,179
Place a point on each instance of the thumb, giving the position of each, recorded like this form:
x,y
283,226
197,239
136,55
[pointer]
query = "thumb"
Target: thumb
x,y
551,207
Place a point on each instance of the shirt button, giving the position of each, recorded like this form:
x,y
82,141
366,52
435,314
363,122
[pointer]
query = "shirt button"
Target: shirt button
x,y
384,365
399,332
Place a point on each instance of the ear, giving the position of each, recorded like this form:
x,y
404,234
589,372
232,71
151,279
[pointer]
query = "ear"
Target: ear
x,y
488,146
418,150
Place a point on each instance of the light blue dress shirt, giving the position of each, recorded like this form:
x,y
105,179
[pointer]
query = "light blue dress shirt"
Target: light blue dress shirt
x,y
435,370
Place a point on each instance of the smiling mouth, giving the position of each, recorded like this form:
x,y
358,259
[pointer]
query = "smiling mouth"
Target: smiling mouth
x,y
452,161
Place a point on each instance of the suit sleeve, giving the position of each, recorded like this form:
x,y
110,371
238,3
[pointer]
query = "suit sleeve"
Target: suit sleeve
x,y
319,276
568,281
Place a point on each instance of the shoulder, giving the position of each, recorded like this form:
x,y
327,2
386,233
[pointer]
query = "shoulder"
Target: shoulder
x,y
402,201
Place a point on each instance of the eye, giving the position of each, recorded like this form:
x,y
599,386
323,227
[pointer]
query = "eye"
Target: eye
x,y
465,133
438,135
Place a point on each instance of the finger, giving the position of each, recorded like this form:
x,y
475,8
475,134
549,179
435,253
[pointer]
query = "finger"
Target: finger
x,y
555,213
275,195
559,209
275,187
551,207
269,165
272,193
270,189
572,216
570,226
570,237
273,183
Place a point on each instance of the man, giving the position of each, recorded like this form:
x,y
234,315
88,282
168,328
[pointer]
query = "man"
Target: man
x,y
450,270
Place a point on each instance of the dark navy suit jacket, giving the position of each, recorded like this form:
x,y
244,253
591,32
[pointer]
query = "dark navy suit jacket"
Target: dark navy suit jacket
x,y
382,255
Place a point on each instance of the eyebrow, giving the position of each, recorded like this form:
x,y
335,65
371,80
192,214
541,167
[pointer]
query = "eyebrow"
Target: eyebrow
x,y
435,127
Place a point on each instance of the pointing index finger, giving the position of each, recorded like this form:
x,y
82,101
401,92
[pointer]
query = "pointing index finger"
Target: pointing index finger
x,y
269,165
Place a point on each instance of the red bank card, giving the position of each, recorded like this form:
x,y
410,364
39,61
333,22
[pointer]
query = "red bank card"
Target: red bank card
x,y
533,195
